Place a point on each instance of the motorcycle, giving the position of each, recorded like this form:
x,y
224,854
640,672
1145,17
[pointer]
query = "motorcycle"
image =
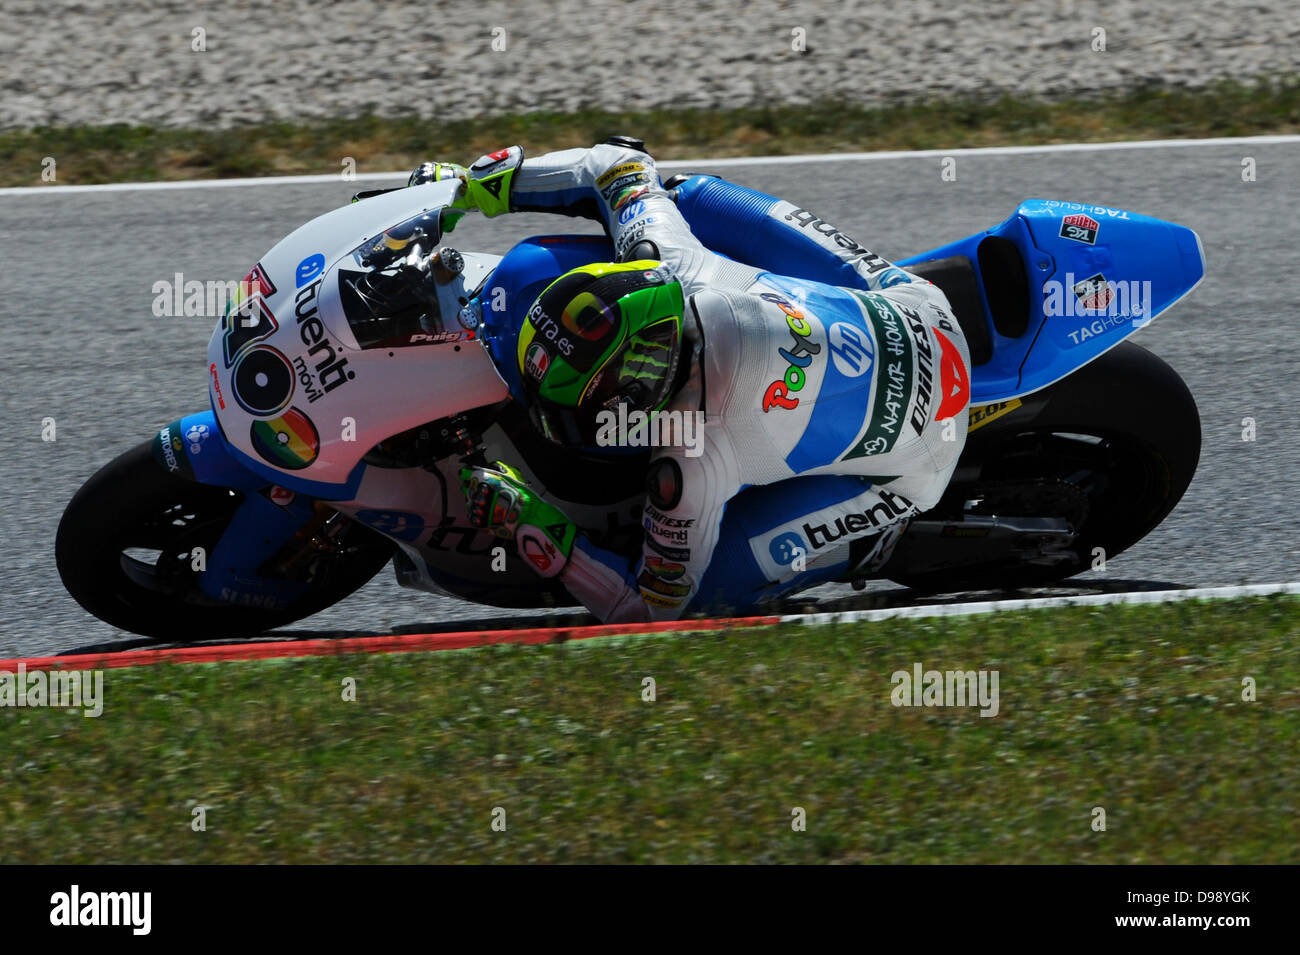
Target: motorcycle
x,y
337,428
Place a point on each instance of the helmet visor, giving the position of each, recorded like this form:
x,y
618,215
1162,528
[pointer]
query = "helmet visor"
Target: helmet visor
x,y
639,376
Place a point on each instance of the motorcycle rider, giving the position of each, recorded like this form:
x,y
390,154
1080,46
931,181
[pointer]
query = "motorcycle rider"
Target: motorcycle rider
x,y
796,426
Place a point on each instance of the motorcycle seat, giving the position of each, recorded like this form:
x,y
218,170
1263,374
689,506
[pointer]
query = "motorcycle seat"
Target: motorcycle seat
x,y
955,277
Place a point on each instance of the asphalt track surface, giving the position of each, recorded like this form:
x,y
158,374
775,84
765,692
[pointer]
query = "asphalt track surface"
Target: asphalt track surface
x,y
79,343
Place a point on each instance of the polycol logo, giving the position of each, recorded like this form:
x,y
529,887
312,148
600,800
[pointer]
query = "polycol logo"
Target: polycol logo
x,y
850,350
798,358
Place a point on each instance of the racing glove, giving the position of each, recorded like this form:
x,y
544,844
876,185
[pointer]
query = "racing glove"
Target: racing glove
x,y
499,500
436,172
490,178
487,181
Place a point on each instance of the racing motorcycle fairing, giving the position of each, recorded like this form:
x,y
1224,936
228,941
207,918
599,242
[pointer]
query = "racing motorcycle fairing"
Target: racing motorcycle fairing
x,y
1057,285
1040,295
267,517
297,398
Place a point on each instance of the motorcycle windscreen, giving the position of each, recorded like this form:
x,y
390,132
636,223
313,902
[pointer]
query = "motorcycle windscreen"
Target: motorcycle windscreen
x,y
395,289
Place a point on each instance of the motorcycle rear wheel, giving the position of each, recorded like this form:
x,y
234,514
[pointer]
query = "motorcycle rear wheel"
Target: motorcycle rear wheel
x,y
1124,430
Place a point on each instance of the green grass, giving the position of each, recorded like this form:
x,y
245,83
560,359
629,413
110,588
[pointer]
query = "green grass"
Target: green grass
x,y
132,153
1137,710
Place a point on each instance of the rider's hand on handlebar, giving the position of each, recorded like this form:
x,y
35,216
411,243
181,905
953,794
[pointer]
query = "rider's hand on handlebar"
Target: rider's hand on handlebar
x,y
437,172
486,184
440,172
493,497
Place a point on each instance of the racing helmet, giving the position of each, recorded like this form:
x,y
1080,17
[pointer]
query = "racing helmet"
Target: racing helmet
x,y
599,337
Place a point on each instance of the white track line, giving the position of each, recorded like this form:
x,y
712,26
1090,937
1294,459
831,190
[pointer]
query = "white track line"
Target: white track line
x,y
1042,603
678,164
205,184
984,151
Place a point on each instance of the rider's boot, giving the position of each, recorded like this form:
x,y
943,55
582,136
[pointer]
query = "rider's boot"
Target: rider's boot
x,y
880,549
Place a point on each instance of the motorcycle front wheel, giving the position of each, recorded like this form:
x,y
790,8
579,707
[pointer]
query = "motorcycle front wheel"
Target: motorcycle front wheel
x,y
124,547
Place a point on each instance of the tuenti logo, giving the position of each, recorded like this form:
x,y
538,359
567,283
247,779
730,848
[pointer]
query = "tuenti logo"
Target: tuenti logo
x,y
890,510
331,368
829,237
75,907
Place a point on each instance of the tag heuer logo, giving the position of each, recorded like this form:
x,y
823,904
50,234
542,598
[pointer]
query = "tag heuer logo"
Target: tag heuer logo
x,y
1094,293
1080,228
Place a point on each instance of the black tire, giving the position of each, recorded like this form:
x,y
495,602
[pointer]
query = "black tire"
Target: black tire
x,y
1149,448
132,502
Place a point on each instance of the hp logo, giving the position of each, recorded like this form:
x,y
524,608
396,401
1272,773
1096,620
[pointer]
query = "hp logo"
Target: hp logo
x,y
850,350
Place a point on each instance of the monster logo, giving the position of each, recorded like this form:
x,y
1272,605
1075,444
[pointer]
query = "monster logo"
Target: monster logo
x,y
639,360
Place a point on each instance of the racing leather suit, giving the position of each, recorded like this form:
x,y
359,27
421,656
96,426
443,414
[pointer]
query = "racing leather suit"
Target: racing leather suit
x,y
825,416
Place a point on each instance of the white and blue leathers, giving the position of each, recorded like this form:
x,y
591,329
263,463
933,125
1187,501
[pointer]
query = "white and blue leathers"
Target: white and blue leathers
x,y
828,414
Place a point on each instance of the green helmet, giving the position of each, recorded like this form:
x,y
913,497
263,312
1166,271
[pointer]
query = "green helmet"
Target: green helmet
x,y
599,337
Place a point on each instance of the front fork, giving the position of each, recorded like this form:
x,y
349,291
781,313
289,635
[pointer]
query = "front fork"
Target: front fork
x,y
263,558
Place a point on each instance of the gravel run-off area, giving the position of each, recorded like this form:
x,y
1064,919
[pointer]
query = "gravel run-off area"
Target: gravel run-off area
x,y
177,63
